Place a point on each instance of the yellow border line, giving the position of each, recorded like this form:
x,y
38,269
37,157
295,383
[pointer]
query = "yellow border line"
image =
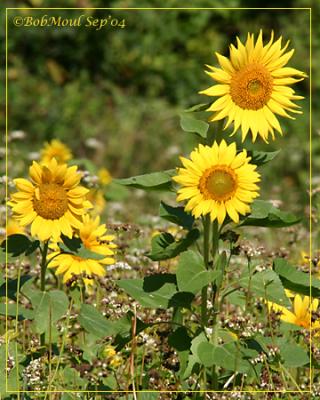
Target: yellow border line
x,y
158,8
6,191
310,188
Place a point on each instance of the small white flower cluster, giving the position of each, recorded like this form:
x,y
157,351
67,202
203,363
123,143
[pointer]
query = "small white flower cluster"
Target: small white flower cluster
x,y
10,363
4,179
251,251
93,143
119,265
149,341
90,180
32,372
261,358
33,155
16,135
244,326
261,267
276,203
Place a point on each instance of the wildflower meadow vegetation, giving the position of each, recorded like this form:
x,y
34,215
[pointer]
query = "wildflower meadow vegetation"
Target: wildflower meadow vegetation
x,y
192,280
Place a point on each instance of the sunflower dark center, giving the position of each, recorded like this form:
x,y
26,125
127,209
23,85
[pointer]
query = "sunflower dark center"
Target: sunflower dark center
x,y
51,201
251,87
218,183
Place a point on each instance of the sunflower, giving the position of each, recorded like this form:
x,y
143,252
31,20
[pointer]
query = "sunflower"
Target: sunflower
x,y
94,238
218,181
52,201
301,311
55,149
253,86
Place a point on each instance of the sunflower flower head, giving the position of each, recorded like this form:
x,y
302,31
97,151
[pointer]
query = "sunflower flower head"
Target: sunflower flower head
x,y
94,238
52,201
301,312
253,86
55,149
217,181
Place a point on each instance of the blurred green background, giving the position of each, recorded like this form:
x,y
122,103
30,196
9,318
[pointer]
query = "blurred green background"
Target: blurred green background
x,y
126,87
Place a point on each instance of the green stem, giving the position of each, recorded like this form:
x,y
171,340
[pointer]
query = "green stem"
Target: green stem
x,y
206,251
215,297
44,253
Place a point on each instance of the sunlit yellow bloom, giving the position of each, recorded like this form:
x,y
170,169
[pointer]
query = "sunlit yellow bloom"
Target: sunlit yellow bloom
x,y
53,202
116,361
96,197
217,181
253,86
301,311
104,176
55,149
94,238
305,258
109,351
13,228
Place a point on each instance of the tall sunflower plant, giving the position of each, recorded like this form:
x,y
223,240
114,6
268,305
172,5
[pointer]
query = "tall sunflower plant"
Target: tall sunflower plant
x,y
53,218
217,187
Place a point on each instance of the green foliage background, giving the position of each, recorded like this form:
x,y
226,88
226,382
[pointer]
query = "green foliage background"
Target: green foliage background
x,y
126,87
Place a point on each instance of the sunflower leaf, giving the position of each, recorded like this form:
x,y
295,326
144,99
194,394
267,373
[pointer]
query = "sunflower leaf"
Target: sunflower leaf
x,y
192,275
156,299
153,181
297,281
48,307
14,286
18,244
262,157
265,284
193,125
176,215
164,246
264,214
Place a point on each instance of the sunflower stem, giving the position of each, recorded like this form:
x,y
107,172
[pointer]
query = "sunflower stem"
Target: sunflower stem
x,y
206,252
44,253
215,298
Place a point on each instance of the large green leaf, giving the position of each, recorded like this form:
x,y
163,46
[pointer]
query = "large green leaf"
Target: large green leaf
x,y
192,275
182,300
229,356
164,246
266,284
296,280
190,124
156,299
153,181
180,339
293,355
265,214
262,157
48,306
154,282
13,286
94,322
11,311
18,244
176,215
